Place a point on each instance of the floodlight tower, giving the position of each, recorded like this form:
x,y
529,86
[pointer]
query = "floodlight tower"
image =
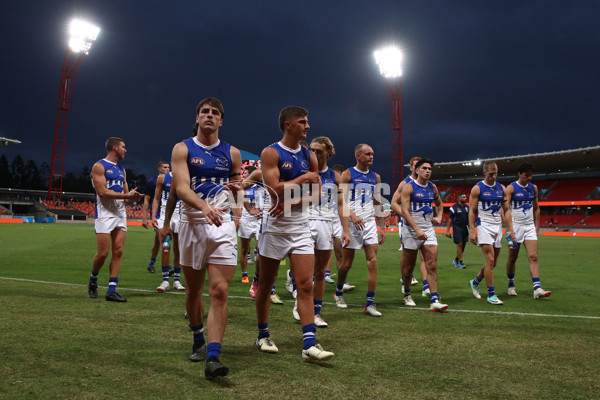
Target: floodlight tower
x,y
81,36
389,60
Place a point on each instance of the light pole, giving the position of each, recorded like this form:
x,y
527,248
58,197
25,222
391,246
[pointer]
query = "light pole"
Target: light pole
x,y
81,36
389,60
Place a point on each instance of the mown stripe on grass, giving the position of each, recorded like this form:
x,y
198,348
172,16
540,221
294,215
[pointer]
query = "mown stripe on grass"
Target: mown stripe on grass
x,y
349,305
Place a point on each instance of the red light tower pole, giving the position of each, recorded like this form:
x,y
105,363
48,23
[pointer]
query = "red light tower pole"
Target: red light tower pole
x,y
81,37
70,70
389,60
394,98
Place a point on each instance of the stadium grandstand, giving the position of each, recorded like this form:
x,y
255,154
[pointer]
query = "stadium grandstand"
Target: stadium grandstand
x,y
568,183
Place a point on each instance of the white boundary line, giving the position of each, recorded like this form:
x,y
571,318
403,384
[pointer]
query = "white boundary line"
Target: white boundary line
x,y
352,305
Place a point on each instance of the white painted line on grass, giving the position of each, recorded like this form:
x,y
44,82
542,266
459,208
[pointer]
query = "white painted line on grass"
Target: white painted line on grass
x,y
349,305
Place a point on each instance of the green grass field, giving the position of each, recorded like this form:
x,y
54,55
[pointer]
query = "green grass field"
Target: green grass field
x,y
57,343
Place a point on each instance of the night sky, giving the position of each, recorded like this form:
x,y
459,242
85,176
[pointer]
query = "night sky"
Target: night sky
x,y
481,79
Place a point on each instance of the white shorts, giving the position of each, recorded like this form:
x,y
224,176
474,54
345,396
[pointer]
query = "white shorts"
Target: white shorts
x,y
278,246
400,225
201,244
248,228
367,236
160,223
174,225
337,227
321,232
490,234
524,232
410,241
107,225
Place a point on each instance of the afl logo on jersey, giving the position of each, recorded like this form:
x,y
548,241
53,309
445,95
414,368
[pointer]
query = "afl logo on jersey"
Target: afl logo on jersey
x,y
420,195
286,165
110,171
197,161
487,194
519,195
223,162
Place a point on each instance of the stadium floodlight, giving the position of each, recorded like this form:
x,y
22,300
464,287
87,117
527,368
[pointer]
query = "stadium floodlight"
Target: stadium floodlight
x,y
82,35
389,59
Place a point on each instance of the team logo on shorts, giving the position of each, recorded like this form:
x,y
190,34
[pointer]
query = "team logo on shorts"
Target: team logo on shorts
x,y
197,161
286,165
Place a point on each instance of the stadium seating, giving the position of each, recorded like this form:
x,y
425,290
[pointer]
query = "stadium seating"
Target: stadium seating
x,y
559,220
573,189
592,221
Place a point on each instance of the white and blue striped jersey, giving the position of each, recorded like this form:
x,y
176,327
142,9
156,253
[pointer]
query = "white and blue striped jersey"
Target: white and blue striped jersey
x,y
490,204
253,196
166,190
209,168
115,181
292,163
521,204
421,203
361,188
325,209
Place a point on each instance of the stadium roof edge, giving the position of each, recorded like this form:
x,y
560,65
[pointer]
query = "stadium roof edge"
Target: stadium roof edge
x,y
583,161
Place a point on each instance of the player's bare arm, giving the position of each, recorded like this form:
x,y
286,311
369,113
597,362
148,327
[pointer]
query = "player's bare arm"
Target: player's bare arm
x,y
473,204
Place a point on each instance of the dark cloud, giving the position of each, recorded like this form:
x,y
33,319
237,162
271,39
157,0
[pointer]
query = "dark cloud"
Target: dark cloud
x,y
482,79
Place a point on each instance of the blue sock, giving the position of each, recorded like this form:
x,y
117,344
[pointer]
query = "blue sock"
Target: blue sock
x,y
152,261
244,274
165,272
370,298
536,283
213,350
425,284
491,291
308,335
198,332
476,281
273,290
112,285
93,278
511,280
177,273
255,279
327,274
406,292
435,296
263,330
339,289
293,284
318,304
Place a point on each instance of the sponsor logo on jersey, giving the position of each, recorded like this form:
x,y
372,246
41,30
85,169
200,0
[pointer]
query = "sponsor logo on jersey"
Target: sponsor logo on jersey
x,y
222,161
304,164
197,161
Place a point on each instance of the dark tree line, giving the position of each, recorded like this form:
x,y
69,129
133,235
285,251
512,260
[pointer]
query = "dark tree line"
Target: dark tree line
x,y
19,174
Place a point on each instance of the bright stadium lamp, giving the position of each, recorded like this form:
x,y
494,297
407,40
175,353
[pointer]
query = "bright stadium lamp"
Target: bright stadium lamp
x,y
389,59
81,36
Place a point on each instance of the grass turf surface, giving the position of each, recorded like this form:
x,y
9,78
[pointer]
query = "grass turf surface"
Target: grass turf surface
x,y
58,343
